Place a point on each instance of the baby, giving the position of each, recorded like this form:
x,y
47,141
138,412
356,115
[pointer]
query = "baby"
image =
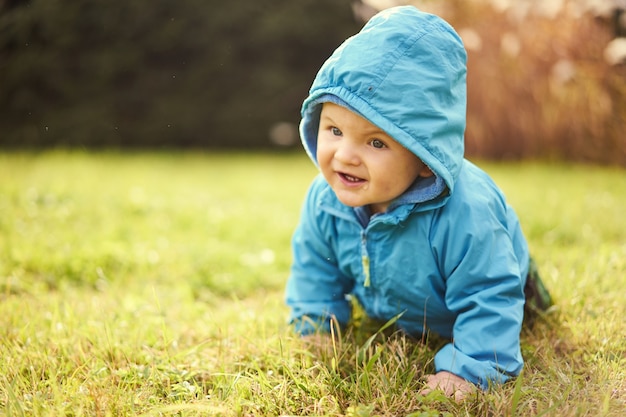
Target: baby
x,y
398,218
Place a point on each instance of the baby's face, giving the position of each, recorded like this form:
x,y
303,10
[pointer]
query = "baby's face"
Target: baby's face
x,y
362,164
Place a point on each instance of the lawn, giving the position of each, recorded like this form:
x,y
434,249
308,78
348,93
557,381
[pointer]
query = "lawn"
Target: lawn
x,y
151,284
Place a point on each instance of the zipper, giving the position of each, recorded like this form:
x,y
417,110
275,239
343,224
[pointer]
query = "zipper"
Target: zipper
x,y
365,260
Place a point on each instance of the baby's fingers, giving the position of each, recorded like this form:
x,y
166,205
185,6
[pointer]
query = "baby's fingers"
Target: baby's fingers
x,y
452,385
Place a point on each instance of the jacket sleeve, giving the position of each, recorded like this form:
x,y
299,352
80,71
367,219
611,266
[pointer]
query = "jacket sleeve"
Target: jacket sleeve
x,y
484,289
316,290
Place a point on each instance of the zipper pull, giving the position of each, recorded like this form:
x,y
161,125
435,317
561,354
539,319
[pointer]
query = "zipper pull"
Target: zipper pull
x,y
366,270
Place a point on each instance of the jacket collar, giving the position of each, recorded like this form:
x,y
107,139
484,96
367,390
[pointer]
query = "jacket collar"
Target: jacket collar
x,y
425,194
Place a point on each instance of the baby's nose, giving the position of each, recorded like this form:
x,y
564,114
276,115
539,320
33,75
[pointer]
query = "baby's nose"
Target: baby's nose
x,y
347,154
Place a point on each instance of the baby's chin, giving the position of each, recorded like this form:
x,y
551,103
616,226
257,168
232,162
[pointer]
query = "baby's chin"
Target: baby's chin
x,y
349,201
353,202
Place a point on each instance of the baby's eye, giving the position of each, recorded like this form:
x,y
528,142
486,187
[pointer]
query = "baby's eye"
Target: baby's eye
x,y
377,143
335,131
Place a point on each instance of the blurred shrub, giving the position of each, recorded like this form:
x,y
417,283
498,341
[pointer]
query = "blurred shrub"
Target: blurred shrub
x,y
538,82
159,72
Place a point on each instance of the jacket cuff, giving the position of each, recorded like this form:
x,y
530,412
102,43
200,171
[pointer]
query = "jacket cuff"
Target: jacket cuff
x,y
481,373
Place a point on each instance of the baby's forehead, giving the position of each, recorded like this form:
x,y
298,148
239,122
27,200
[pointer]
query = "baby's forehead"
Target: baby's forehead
x,y
338,113
332,109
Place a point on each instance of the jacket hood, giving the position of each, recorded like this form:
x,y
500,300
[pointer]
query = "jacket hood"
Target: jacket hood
x,y
405,73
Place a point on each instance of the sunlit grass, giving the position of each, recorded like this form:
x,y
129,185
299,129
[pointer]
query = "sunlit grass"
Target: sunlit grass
x,y
151,284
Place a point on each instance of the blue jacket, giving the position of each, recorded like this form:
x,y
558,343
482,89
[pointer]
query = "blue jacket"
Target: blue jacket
x,y
448,254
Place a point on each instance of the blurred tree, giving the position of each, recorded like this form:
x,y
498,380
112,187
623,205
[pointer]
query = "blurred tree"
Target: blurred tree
x,y
159,73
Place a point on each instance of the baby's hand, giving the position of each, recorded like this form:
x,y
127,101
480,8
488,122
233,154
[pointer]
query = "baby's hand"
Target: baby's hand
x,y
452,385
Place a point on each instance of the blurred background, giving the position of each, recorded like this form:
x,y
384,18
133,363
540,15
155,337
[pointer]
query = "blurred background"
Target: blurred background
x,y
546,78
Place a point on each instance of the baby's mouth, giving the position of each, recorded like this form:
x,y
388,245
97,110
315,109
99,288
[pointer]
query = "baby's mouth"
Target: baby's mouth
x,y
350,178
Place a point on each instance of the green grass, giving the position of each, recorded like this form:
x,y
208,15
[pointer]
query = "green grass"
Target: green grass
x,y
151,284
